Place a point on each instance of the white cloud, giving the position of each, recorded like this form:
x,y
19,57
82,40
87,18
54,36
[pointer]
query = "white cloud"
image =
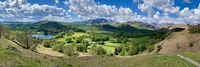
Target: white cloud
x,y
187,1
56,1
146,8
164,5
22,10
190,15
66,3
89,9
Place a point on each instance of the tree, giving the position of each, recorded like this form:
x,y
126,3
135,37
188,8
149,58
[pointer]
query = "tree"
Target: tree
x,y
27,35
24,38
117,50
69,50
1,27
46,43
81,48
98,50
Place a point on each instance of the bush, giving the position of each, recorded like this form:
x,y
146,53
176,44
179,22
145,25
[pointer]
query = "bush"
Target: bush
x,y
58,48
177,45
132,50
150,48
69,40
117,50
142,47
69,50
191,45
98,50
81,48
46,44
122,53
159,48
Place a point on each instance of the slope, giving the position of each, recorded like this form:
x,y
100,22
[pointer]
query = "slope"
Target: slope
x,y
178,42
19,57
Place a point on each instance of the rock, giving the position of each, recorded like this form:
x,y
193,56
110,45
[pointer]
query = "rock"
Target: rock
x,y
11,48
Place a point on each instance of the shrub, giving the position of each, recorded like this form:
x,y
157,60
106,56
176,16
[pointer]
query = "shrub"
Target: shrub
x,y
46,44
150,48
58,48
142,47
159,48
191,45
117,50
122,53
69,50
132,50
98,50
81,48
177,45
69,40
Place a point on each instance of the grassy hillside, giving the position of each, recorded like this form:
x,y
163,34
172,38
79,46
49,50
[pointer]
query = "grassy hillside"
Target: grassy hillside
x,y
193,55
26,58
179,42
31,59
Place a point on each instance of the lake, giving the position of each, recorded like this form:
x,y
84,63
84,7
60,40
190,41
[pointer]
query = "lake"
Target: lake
x,y
42,36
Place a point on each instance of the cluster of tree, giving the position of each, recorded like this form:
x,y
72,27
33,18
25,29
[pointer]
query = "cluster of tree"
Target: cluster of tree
x,y
69,49
194,28
98,50
99,37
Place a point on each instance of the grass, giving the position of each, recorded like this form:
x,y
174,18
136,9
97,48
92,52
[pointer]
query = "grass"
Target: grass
x,y
76,34
107,43
31,59
27,58
193,55
139,61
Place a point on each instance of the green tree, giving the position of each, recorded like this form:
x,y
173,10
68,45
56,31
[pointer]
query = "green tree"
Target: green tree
x,y
69,50
81,48
46,43
58,47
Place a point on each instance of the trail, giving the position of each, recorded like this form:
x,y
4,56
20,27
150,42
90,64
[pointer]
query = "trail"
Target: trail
x,y
189,60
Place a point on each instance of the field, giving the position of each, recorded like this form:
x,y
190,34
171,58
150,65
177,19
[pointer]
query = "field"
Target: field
x,y
76,34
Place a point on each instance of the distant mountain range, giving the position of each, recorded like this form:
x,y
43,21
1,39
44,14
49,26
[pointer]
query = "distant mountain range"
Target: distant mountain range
x,y
98,21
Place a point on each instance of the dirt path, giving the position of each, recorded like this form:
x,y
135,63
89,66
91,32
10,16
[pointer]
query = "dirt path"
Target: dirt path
x,y
48,51
190,60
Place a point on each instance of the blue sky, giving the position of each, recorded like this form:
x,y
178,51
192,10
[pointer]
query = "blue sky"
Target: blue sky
x,y
148,11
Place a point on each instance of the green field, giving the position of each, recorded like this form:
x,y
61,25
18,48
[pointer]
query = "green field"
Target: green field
x,y
76,34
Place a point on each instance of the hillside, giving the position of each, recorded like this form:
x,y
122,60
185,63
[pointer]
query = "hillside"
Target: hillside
x,y
27,58
178,42
16,56
52,27
141,25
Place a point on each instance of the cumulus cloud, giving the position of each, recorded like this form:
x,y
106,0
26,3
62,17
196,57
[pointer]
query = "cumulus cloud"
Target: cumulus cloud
x,y
146,8
190,15
22,10
89,9
166,6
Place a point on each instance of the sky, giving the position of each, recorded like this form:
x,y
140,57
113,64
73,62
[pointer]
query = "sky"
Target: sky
x,y
148,11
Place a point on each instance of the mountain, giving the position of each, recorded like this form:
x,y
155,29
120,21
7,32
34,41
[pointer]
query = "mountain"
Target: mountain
x,y
141,25
53,27
15,22
98,21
